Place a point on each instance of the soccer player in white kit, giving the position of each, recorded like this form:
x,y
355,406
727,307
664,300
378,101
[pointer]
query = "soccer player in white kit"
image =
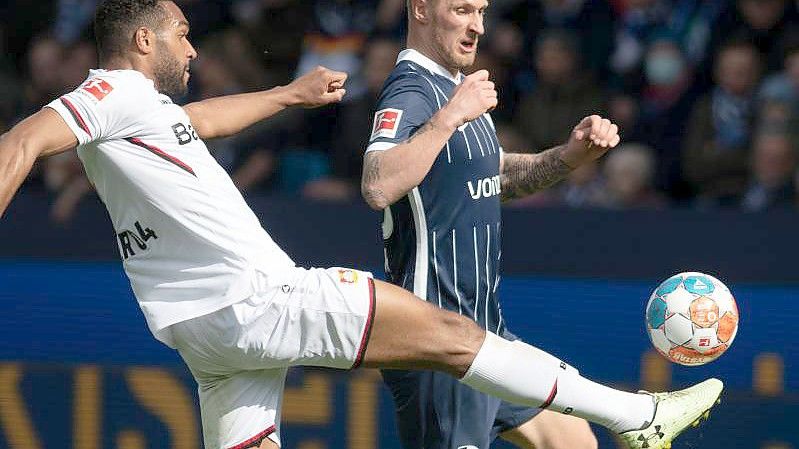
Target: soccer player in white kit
x,y
213,285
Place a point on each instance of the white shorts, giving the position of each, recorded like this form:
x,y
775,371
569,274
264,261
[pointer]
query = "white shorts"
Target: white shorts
x,y
239,355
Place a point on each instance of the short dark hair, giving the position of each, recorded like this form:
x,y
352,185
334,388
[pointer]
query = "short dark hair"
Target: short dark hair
x,y
116,20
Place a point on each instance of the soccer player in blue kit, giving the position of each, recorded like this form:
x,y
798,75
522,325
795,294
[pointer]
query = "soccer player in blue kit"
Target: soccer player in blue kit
x,y
439,176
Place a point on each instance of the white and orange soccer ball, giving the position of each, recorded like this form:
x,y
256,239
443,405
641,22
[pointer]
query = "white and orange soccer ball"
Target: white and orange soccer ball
x,y
692,318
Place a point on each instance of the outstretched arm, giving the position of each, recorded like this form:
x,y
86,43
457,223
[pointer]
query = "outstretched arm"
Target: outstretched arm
x,y
390,174
42,134
228,115
523,174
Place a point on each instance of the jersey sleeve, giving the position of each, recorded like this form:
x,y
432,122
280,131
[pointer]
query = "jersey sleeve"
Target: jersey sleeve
x,y
96,110
405,105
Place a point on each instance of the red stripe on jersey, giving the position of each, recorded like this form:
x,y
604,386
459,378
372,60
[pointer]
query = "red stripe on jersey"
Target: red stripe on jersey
x,y
160,153
75,115
551,397
256,439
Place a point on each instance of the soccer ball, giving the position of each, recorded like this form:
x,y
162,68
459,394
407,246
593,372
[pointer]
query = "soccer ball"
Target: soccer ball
x,y
691,318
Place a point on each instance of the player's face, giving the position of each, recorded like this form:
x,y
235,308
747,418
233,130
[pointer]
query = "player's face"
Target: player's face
x,y
457,26
173,53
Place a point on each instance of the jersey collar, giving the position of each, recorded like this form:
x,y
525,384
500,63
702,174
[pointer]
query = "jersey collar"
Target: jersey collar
x,y
414,56
130,72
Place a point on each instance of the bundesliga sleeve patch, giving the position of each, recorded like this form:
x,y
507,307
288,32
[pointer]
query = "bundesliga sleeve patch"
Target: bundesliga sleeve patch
x,y
386,123
97,88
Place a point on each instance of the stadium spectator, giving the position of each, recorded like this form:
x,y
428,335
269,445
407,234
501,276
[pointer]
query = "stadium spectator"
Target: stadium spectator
x,y
591,20
666,98
781,90
79,58
45,57
563,92
64,176
63,173
335,37
348,137
692,22
768,24
716,149
273,30
390,18
72,19
214,76
629,174
774,163
583,187
260,43
337,33
639,20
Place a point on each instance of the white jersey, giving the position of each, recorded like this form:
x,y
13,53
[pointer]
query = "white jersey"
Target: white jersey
x,y
189,242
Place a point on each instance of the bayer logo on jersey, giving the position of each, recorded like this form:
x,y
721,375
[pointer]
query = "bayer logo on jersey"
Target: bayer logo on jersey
x,y
692,318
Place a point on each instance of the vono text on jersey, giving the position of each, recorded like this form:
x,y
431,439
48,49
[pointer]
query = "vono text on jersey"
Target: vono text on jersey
x,y
485,188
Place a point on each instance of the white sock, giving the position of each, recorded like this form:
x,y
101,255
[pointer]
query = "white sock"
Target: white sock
x,y
522,374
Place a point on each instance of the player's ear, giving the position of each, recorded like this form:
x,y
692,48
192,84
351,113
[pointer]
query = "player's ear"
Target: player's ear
x,y
144,40
421,10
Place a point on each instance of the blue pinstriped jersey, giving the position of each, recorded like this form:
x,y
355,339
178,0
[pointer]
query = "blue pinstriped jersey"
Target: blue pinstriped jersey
x,y
442,240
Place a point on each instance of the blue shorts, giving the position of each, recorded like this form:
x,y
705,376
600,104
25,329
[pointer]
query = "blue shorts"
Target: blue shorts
x,y
435,411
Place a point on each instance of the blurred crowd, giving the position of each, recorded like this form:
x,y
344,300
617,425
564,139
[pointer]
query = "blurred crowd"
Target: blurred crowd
x,y
706,92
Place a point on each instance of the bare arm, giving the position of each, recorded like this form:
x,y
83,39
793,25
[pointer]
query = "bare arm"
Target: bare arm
x,y
390,174
228,115
42,134
523,174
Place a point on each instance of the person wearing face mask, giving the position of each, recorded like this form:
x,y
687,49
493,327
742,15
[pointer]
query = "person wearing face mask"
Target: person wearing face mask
x,y
667,96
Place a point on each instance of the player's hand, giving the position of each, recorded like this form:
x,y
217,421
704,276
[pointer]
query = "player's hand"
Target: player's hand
x,y
475,96
319,87
590,139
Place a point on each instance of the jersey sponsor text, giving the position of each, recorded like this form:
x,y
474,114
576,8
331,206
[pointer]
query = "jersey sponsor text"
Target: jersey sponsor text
x,y
485,188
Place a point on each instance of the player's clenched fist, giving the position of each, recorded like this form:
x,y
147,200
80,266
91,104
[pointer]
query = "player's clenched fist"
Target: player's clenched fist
x,y
475,96
590,139
319,87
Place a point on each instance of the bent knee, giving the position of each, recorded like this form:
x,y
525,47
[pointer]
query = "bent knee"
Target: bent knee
x,y
459,341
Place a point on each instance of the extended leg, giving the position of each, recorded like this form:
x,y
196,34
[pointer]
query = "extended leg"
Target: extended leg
x,y
411,334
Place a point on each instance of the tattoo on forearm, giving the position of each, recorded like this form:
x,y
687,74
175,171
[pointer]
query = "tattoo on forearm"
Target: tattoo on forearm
x,y
371,178
523,174
371,174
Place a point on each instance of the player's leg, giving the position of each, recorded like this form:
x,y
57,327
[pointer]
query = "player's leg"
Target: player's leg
x,y
550,430
411,334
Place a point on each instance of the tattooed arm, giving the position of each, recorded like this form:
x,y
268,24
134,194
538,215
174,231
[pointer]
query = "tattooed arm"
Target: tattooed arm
x,y
390,174
523,174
